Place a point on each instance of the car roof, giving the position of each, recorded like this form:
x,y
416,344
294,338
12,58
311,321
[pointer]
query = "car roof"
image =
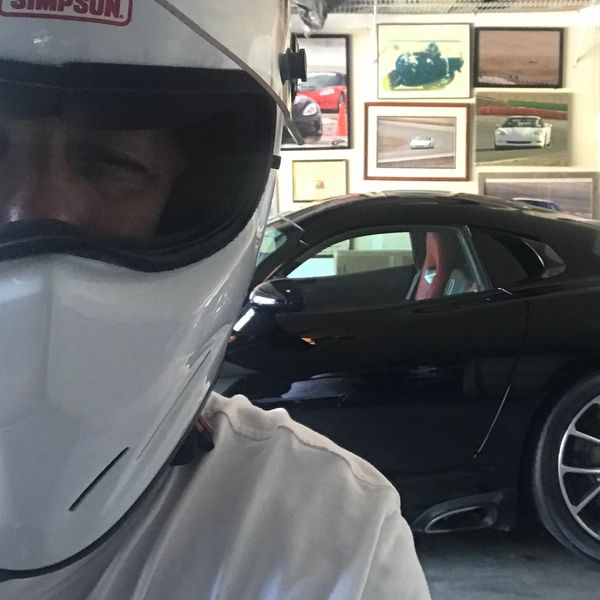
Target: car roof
x,y
446,207
416,198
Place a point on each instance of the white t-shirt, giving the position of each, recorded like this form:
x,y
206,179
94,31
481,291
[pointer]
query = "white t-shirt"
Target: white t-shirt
x,y
274,512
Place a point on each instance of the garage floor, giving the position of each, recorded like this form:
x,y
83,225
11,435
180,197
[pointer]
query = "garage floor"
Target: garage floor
x,y
500,566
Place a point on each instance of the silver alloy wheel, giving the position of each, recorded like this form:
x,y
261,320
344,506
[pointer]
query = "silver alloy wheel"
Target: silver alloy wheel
x,y
580,482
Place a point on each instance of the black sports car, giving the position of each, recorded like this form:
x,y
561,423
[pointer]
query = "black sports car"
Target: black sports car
x,y
451,340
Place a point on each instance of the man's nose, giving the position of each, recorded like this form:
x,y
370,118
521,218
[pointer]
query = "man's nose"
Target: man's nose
x,y
47,192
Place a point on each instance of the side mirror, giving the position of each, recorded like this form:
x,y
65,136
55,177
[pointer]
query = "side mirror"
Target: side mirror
x,y
277,295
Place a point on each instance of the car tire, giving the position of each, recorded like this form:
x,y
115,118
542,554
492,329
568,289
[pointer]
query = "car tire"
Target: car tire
x,y
568,502
316,134
341,100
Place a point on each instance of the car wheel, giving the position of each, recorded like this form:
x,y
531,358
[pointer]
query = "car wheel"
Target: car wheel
x,y
314,136
341,100
566,469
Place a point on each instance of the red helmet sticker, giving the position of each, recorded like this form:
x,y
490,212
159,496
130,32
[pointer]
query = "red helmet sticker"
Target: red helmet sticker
x,y
110,12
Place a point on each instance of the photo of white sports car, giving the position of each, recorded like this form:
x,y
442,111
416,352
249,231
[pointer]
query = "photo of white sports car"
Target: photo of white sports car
x,y
421,142
523,131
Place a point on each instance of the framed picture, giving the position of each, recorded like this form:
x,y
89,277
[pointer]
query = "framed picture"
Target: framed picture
x,y
518,57
321,110
314,180
569,191
417,141
425,60
521,129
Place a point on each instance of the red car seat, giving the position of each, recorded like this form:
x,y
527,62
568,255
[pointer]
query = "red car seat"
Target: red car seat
x,y
442,257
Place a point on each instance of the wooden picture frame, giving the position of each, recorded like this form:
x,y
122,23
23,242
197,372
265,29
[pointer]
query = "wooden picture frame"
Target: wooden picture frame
x,y
316,180
520,57
417,141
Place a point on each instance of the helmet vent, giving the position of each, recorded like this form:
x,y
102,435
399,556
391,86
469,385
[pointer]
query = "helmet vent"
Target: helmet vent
x,y
104,471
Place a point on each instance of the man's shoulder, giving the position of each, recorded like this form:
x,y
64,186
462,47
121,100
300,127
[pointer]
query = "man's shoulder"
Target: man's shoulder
x,y
236,417
286,513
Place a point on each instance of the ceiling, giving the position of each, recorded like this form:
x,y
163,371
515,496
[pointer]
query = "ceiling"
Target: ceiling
x,y
454,6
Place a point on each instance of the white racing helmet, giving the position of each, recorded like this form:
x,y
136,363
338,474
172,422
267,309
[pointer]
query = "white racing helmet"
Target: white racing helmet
x,y
109,345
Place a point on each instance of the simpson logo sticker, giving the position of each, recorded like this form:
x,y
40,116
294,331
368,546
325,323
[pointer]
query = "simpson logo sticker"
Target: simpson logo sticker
x,y
110,12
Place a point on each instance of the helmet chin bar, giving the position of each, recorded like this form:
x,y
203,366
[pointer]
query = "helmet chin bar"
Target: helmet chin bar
x,y
102,375
8,574
194,447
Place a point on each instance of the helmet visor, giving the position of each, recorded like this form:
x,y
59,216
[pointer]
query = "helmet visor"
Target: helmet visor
x,y
152,168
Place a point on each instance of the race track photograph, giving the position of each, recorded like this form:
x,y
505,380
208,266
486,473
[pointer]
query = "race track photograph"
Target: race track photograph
x,y
518,57
405,143
417,141
573,193
522,129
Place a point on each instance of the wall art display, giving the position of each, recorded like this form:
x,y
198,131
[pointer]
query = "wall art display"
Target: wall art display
x,y
424,60
318,179
416,141
568,191
511,57
522,129
321,110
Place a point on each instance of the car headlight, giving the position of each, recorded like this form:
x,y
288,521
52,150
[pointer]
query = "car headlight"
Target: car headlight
x,y
310,109
499,132
538,133
327,92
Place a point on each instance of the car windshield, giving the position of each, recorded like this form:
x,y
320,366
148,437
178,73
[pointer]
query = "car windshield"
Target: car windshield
x,y
321,80
522,122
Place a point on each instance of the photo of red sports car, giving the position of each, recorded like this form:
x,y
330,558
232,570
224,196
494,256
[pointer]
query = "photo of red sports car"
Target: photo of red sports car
x,y
328,90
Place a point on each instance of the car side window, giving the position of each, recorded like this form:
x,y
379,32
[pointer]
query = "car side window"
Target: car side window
x,y
421,263
358,254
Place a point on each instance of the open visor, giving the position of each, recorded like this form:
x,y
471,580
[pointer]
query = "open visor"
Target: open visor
x,y
220,122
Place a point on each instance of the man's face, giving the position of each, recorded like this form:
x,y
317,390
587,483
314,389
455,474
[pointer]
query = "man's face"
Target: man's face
x,y
113,183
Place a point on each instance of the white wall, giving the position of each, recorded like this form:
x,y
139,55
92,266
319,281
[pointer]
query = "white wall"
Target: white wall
x,y
581,80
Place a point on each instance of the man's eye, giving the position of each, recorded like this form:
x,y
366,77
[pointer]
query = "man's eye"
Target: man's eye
x,y
102,159
110,173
